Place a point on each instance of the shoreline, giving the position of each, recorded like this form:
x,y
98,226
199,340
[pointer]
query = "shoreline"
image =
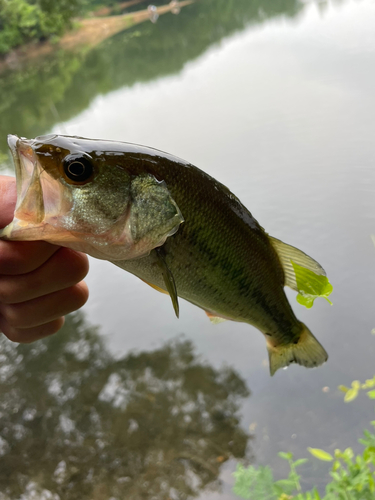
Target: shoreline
x,y
89,33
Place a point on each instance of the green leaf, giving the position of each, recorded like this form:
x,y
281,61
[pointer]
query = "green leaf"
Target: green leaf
x,y
336,465
316,493
311,286
371,394
299,462
368,384
351,394
335,476
348,453
368,453
286,483
320,454
285,456
371,484
343,388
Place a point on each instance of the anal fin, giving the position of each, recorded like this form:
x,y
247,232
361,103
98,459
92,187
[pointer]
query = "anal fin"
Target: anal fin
x,y
215,320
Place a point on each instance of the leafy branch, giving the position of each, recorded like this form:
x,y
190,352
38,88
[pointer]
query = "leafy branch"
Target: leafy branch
x,y
353,476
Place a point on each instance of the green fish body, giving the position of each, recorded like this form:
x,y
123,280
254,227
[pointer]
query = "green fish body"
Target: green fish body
x,y
184,232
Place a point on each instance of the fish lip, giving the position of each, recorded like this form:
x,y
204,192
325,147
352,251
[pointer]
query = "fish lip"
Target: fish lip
x,y
13,147
19,148
27,172
13,143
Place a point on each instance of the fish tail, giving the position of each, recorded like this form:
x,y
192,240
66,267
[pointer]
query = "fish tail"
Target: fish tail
x,y
306,351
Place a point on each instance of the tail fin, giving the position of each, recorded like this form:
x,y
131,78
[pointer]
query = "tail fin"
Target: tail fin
x,y
306,352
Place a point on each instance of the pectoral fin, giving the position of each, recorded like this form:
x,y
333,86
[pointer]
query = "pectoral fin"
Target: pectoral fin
x,y
169,282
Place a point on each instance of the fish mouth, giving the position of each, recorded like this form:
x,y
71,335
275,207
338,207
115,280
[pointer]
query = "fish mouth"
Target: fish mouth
x,y
29,206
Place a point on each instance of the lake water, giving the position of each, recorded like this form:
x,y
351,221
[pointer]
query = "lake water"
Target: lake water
x,y
278,104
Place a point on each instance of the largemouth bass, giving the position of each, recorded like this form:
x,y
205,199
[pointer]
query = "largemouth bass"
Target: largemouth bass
x,y
167,222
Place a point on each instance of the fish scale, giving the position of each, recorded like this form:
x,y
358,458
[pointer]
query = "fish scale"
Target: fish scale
x,y
232,265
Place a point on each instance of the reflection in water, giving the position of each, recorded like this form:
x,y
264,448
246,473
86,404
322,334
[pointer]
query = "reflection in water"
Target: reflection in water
x,y
36,96
80,424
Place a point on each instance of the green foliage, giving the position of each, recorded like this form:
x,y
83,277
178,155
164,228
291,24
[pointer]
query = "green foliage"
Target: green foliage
x,y
258,484
352,392
321,454
254,483
353,476
24,20
311,286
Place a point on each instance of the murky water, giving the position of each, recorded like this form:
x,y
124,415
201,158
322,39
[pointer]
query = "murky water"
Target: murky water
x,y
279,106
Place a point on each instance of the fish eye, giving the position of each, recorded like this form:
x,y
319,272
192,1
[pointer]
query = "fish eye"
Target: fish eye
x,y
77,169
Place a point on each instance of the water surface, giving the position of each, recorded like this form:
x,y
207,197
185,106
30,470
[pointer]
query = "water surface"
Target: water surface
x,y
279,106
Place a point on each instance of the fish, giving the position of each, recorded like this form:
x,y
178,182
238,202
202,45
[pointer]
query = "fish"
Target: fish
x,y
170,224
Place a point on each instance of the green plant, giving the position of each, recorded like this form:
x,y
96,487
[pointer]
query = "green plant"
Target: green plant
x,y
353,476
258,483
311,286
24,20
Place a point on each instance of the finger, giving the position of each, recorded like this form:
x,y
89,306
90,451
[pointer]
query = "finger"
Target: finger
x,y
64,269
25,336
20,257
37,312
8,197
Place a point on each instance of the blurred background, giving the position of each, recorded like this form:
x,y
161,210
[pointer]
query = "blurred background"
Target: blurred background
x,y
275,99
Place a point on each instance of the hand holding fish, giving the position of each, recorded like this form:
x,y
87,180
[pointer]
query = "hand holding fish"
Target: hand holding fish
x,y
39,282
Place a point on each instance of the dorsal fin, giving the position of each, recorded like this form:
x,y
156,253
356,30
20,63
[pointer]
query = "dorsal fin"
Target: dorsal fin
x,y
287,254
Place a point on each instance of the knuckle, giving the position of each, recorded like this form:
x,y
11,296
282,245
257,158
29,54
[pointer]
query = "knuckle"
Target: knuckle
x,y
4,295
80,295
11,259
12,316
20,337
9,292
29,335
12,334
54,326
33,282
22,257
78,266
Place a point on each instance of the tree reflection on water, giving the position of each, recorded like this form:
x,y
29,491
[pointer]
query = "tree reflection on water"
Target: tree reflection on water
x,y
76,423
42,92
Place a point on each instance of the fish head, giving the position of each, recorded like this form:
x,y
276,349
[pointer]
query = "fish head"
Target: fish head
x,y
81,194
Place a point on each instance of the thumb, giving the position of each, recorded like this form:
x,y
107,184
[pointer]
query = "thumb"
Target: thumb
x,y
8,197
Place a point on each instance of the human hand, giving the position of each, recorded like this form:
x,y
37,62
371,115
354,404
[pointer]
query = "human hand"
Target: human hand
x,y
39,282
